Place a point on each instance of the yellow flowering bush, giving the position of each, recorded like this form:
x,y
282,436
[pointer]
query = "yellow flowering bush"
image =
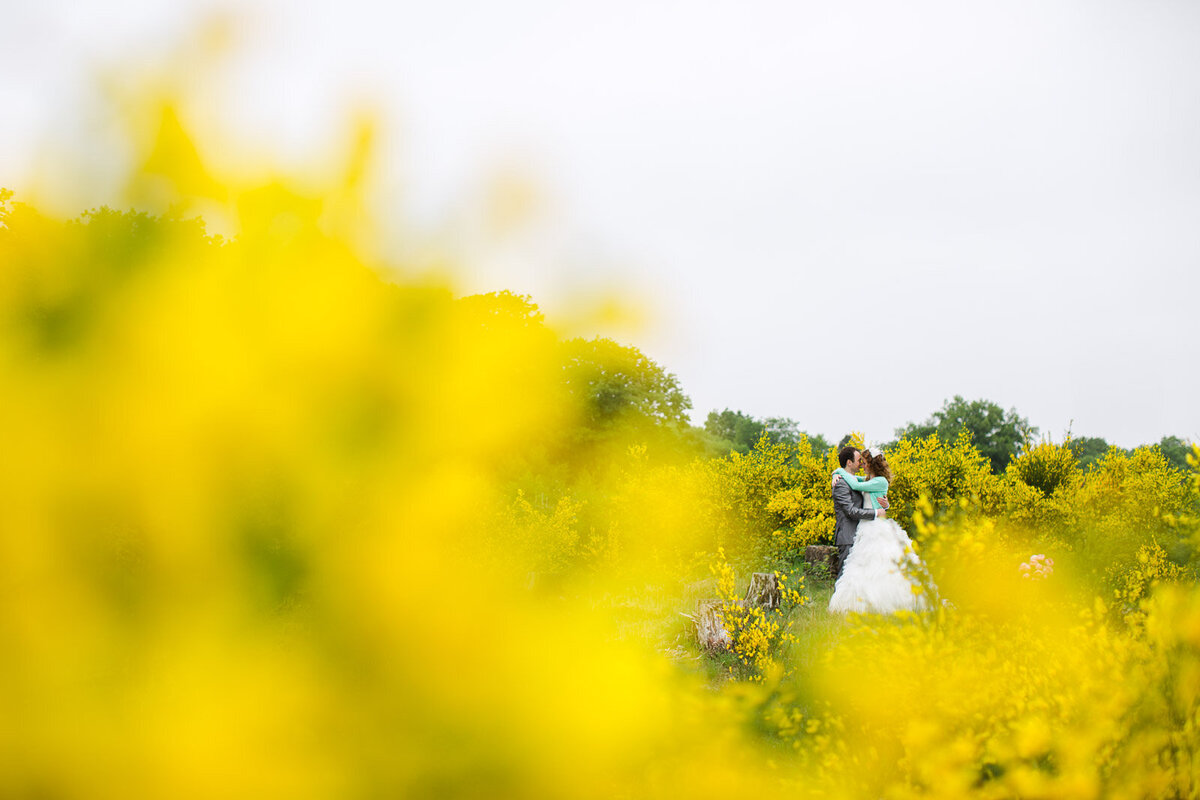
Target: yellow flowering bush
x,y
247,510
1127,502
1134,582
544,539
1046,467
741,487
266,525
803,513
653,518
1015,688
941,472
756,633
1041,490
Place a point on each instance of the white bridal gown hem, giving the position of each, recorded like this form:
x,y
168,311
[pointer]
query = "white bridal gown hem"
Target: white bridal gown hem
x,y
875,578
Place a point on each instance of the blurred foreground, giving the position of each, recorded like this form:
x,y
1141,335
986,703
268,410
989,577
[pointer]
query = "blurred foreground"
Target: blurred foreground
x,y
274,524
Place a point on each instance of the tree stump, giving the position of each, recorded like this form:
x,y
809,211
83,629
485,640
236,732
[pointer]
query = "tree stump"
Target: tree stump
x,y
710,627
826,554
764,591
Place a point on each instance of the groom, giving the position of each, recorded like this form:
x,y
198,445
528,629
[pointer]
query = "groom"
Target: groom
x,y
848,508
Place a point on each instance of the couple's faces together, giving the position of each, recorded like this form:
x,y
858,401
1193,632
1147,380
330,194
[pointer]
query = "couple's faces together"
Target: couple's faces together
x,y
858,462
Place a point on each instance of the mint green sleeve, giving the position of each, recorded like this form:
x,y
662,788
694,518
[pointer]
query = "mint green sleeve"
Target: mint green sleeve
x,y
878,484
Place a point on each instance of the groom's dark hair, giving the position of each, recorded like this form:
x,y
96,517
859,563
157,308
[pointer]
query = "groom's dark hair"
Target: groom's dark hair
x,y
846,454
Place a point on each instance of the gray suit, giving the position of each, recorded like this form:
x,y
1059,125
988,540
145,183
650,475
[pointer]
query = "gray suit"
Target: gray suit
x,y
848,511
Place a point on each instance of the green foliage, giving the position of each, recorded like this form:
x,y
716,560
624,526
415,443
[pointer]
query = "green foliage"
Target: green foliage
x,y
619,385
109,250
740,430
743,485
504,308
1088,450
743,431
997,434
1129,500
699,443
542,536
1176,451
782,429
5,205
619,398
817,444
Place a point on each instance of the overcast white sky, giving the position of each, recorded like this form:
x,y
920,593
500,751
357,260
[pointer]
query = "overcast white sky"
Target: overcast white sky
x,y
842,213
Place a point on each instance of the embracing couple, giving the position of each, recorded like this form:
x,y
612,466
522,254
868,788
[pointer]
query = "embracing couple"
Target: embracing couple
x,y
876,562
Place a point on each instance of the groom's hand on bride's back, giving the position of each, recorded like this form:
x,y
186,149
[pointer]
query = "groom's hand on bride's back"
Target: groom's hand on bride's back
x,y
881,513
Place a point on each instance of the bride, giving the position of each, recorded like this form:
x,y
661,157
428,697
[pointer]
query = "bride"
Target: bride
x,y
880,574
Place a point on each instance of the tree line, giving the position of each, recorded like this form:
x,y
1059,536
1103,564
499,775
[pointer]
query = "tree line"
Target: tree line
x,y
999,435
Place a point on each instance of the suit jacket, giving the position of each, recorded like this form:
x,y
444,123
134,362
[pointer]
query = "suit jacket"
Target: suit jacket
x,y
848,511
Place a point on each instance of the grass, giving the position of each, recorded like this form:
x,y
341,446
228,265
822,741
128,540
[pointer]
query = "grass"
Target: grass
x,y
662,617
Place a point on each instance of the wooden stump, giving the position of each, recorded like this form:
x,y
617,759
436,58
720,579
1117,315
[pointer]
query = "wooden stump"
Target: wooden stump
x,y
710,627
826,554
764,590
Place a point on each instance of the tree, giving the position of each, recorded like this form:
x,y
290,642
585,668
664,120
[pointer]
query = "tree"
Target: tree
x,y
782,429
740,430
1088,450
999,435
620,385
506,307
743,431
5,206
115,249
1176,450
818,444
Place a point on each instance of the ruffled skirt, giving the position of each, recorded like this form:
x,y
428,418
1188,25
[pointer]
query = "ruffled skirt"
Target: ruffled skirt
x,y
881,574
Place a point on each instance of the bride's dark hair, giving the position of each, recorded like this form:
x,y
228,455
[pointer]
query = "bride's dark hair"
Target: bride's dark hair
x,y
877,465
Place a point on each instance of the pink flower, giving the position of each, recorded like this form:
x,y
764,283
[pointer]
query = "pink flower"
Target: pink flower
x,y
1038,566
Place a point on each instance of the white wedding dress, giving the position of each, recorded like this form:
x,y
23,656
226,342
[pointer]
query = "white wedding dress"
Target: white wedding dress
x,y
881,574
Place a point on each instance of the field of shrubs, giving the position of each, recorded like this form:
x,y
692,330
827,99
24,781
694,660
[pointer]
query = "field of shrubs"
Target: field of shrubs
x,y
276,521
